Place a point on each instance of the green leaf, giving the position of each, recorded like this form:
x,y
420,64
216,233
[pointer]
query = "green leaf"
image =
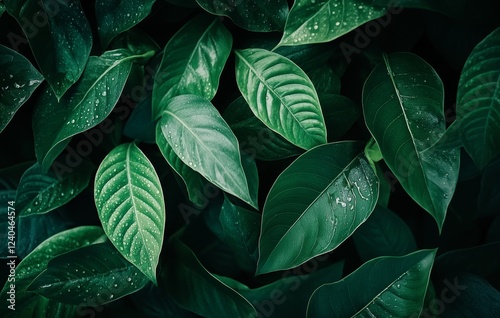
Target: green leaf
x,y
325,80
18,80
403,108
203,140
129,200
311,211
340,114
478,101
116,16
196,289
325,20
85,105
192,61
255,138
241,232
90,276
40,192
252,15
61,43
36,262
383,234
383,287
281,95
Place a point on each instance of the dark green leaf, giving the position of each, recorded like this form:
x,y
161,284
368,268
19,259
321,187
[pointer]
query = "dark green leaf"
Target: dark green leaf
x,y
383,234
18,80
89,276
403,107
340,114
140,125
253,15
129,199
281,95
116,16
192,61
311,211
59,36
383,287
85,105
202,140
325,20
325,80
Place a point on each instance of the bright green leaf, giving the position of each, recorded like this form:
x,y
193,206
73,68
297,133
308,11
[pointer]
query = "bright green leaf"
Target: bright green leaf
x,y
129,200
252,15
18,80
281,95
61,44
478,101
85,105
311,211
403,107
383,287
202,139
383,234
192,62
90,276
116,16
325,20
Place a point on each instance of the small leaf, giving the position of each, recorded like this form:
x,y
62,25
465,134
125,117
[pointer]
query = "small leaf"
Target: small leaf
x,y
309,212
90,276
383,234
192,61
281,95
196,289
85,105
129,200
252,15
478,101
325,20
61,45
18,80
383,287
201,139
116,16
40,193
403,108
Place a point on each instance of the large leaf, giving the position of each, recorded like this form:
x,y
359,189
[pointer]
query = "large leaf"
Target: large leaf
x,y
382,287
253,15
89,276
192,61
43,192
311,211
85,105
129,200
18,80
195,288
478,101
116,16
281,95
383,234
60,38
203,140
325,20
403,107
27,304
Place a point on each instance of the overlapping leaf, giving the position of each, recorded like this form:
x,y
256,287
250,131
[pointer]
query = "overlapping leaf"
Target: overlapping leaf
x,y
340,114
85,105
281,95
383,287
192,61
18,80
311,211
325,20
403,107
59,36
129,200
202,140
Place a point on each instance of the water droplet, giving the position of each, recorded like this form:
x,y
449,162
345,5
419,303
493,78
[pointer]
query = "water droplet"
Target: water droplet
x,y
72,121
